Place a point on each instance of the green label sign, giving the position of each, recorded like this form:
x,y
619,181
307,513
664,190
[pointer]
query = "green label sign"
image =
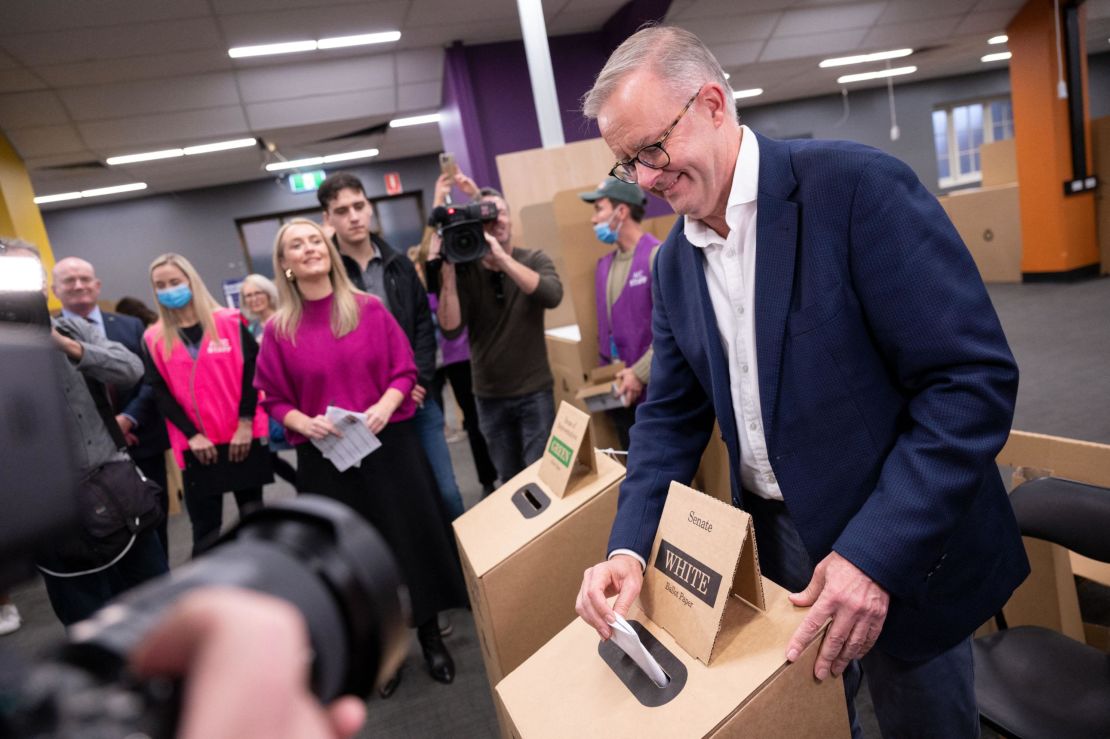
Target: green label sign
x,y
306,181
560,451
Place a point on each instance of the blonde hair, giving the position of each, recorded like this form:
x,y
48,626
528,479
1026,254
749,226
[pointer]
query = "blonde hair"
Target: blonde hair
x,y
344,307
203,302
264,284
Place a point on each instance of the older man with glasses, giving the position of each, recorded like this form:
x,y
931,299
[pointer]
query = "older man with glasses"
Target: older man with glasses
x,y
816,300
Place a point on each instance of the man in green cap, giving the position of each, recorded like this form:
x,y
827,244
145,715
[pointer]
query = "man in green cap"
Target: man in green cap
x,y
623,285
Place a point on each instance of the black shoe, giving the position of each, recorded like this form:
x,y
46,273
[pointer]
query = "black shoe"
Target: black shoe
x,y
389,687
439,661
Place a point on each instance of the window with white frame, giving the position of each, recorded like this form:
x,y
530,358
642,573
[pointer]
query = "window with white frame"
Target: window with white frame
x,y
958,132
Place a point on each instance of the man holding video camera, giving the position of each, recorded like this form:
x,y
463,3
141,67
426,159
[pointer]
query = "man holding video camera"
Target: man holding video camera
x,y
500,300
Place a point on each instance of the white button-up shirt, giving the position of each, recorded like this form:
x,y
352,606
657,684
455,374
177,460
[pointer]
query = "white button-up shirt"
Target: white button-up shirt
x,y
730,275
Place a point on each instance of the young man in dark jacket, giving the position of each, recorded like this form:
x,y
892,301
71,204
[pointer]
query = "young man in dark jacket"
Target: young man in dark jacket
x,y
389,275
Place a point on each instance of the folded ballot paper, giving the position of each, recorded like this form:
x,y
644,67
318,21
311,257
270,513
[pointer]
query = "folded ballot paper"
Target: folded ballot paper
x,y
629,642
356,442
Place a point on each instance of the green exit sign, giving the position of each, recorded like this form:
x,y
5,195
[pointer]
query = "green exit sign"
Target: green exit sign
x,y
306,181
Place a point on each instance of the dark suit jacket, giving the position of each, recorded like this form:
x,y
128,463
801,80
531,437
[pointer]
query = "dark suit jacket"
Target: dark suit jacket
x,y
137,401
887,388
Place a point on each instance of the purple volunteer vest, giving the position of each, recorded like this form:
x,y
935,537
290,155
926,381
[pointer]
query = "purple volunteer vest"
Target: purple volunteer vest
x,y
630,331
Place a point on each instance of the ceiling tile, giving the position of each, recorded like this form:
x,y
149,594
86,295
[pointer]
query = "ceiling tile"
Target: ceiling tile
x,y
439,13
828,19
821,44
735,55
151,96
992,21
1097,9
19,80
997,4
45,140
711,8
582,21
321,108
109,71
225,7
6,61
728,30
164,130
420,65
272,26
899,11
55,15
923,32
28,109
419,97
305,80
136,39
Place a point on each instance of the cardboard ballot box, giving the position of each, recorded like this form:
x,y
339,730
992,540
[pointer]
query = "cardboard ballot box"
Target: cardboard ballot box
x,y
598,394
524,548
717,628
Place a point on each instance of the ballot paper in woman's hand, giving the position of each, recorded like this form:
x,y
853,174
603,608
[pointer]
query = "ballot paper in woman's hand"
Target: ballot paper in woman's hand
x,y
355,443
625,637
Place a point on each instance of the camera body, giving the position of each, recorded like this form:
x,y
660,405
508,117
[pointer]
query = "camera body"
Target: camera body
x,y
460,226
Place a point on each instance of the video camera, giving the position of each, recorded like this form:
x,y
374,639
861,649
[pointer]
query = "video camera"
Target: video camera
x,y
311,551
460,226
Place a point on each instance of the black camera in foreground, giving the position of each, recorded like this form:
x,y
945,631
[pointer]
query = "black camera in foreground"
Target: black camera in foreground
x,y
311,551
460,226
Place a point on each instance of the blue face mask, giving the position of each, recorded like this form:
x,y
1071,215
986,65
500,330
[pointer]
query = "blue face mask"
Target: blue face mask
x,y
605,233
178,296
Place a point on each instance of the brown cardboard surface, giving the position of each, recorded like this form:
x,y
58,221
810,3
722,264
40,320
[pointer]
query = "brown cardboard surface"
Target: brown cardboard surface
x,y
713,475
522,574
998,163
565,690
1073,459
569,451
703,553
988,221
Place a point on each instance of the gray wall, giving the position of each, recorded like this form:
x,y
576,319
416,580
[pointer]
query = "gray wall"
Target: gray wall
x,y
868,121
122,238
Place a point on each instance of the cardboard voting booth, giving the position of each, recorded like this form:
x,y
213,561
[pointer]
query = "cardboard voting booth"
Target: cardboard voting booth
x,y
716,627
524,547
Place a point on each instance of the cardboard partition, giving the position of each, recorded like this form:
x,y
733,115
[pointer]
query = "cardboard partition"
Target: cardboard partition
x,y
600,395
524,547
719,631
1048,597
988,220
998,163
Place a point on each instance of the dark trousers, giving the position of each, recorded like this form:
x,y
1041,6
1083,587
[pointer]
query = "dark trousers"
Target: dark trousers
x,y
930,698
154,468
623,418
458,374
516,429
76,598
206,513
283,469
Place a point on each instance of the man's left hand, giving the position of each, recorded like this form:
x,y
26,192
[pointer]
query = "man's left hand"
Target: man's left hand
x,y
629,385
418,394
857,606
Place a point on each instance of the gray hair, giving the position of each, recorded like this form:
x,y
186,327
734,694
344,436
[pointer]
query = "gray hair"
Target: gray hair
x,y
675,55
266,285
9,243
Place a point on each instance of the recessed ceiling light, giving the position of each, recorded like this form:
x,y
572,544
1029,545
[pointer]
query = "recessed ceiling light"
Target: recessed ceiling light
x,y
998,39
736,95
293,47
875,75
188,151
727,75
96,192
317,161
878,56
999,57
415,120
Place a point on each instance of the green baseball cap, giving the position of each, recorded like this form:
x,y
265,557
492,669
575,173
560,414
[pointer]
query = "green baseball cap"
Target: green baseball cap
x,y
617,191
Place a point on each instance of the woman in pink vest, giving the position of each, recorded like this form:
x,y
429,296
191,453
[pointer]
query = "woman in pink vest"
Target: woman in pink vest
x,y
200,361
333,345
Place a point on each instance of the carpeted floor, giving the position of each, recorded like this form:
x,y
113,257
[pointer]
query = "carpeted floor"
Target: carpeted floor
x,y
1060,336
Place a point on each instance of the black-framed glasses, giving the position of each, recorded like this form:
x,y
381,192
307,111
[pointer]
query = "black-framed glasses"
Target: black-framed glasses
x,y
652,156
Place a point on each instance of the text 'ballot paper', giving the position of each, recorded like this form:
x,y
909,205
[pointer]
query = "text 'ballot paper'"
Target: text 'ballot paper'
x,y
355,443
626,638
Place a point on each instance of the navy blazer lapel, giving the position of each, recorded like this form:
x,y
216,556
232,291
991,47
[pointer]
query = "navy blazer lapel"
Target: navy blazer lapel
x,y
776,234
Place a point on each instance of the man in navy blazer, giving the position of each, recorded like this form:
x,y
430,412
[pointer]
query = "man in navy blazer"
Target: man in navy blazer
x,y
817,301
77,287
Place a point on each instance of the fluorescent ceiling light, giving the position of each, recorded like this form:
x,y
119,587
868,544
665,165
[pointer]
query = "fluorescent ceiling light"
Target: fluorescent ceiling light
x,y
878,56
415,120
317,161
875,75
293,47
57,198
998,39
144,157
747,93
218,146
340,42
999,57
96,192
289,47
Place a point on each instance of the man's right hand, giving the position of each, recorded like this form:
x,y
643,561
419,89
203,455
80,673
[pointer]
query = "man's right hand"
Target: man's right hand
x,y
203,449
621,576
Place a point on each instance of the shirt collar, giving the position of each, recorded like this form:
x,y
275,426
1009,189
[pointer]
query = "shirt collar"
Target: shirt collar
x,y
95,316
745,189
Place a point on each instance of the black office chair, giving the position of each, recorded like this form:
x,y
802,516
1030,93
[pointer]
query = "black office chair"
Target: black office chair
x,y
1031,682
